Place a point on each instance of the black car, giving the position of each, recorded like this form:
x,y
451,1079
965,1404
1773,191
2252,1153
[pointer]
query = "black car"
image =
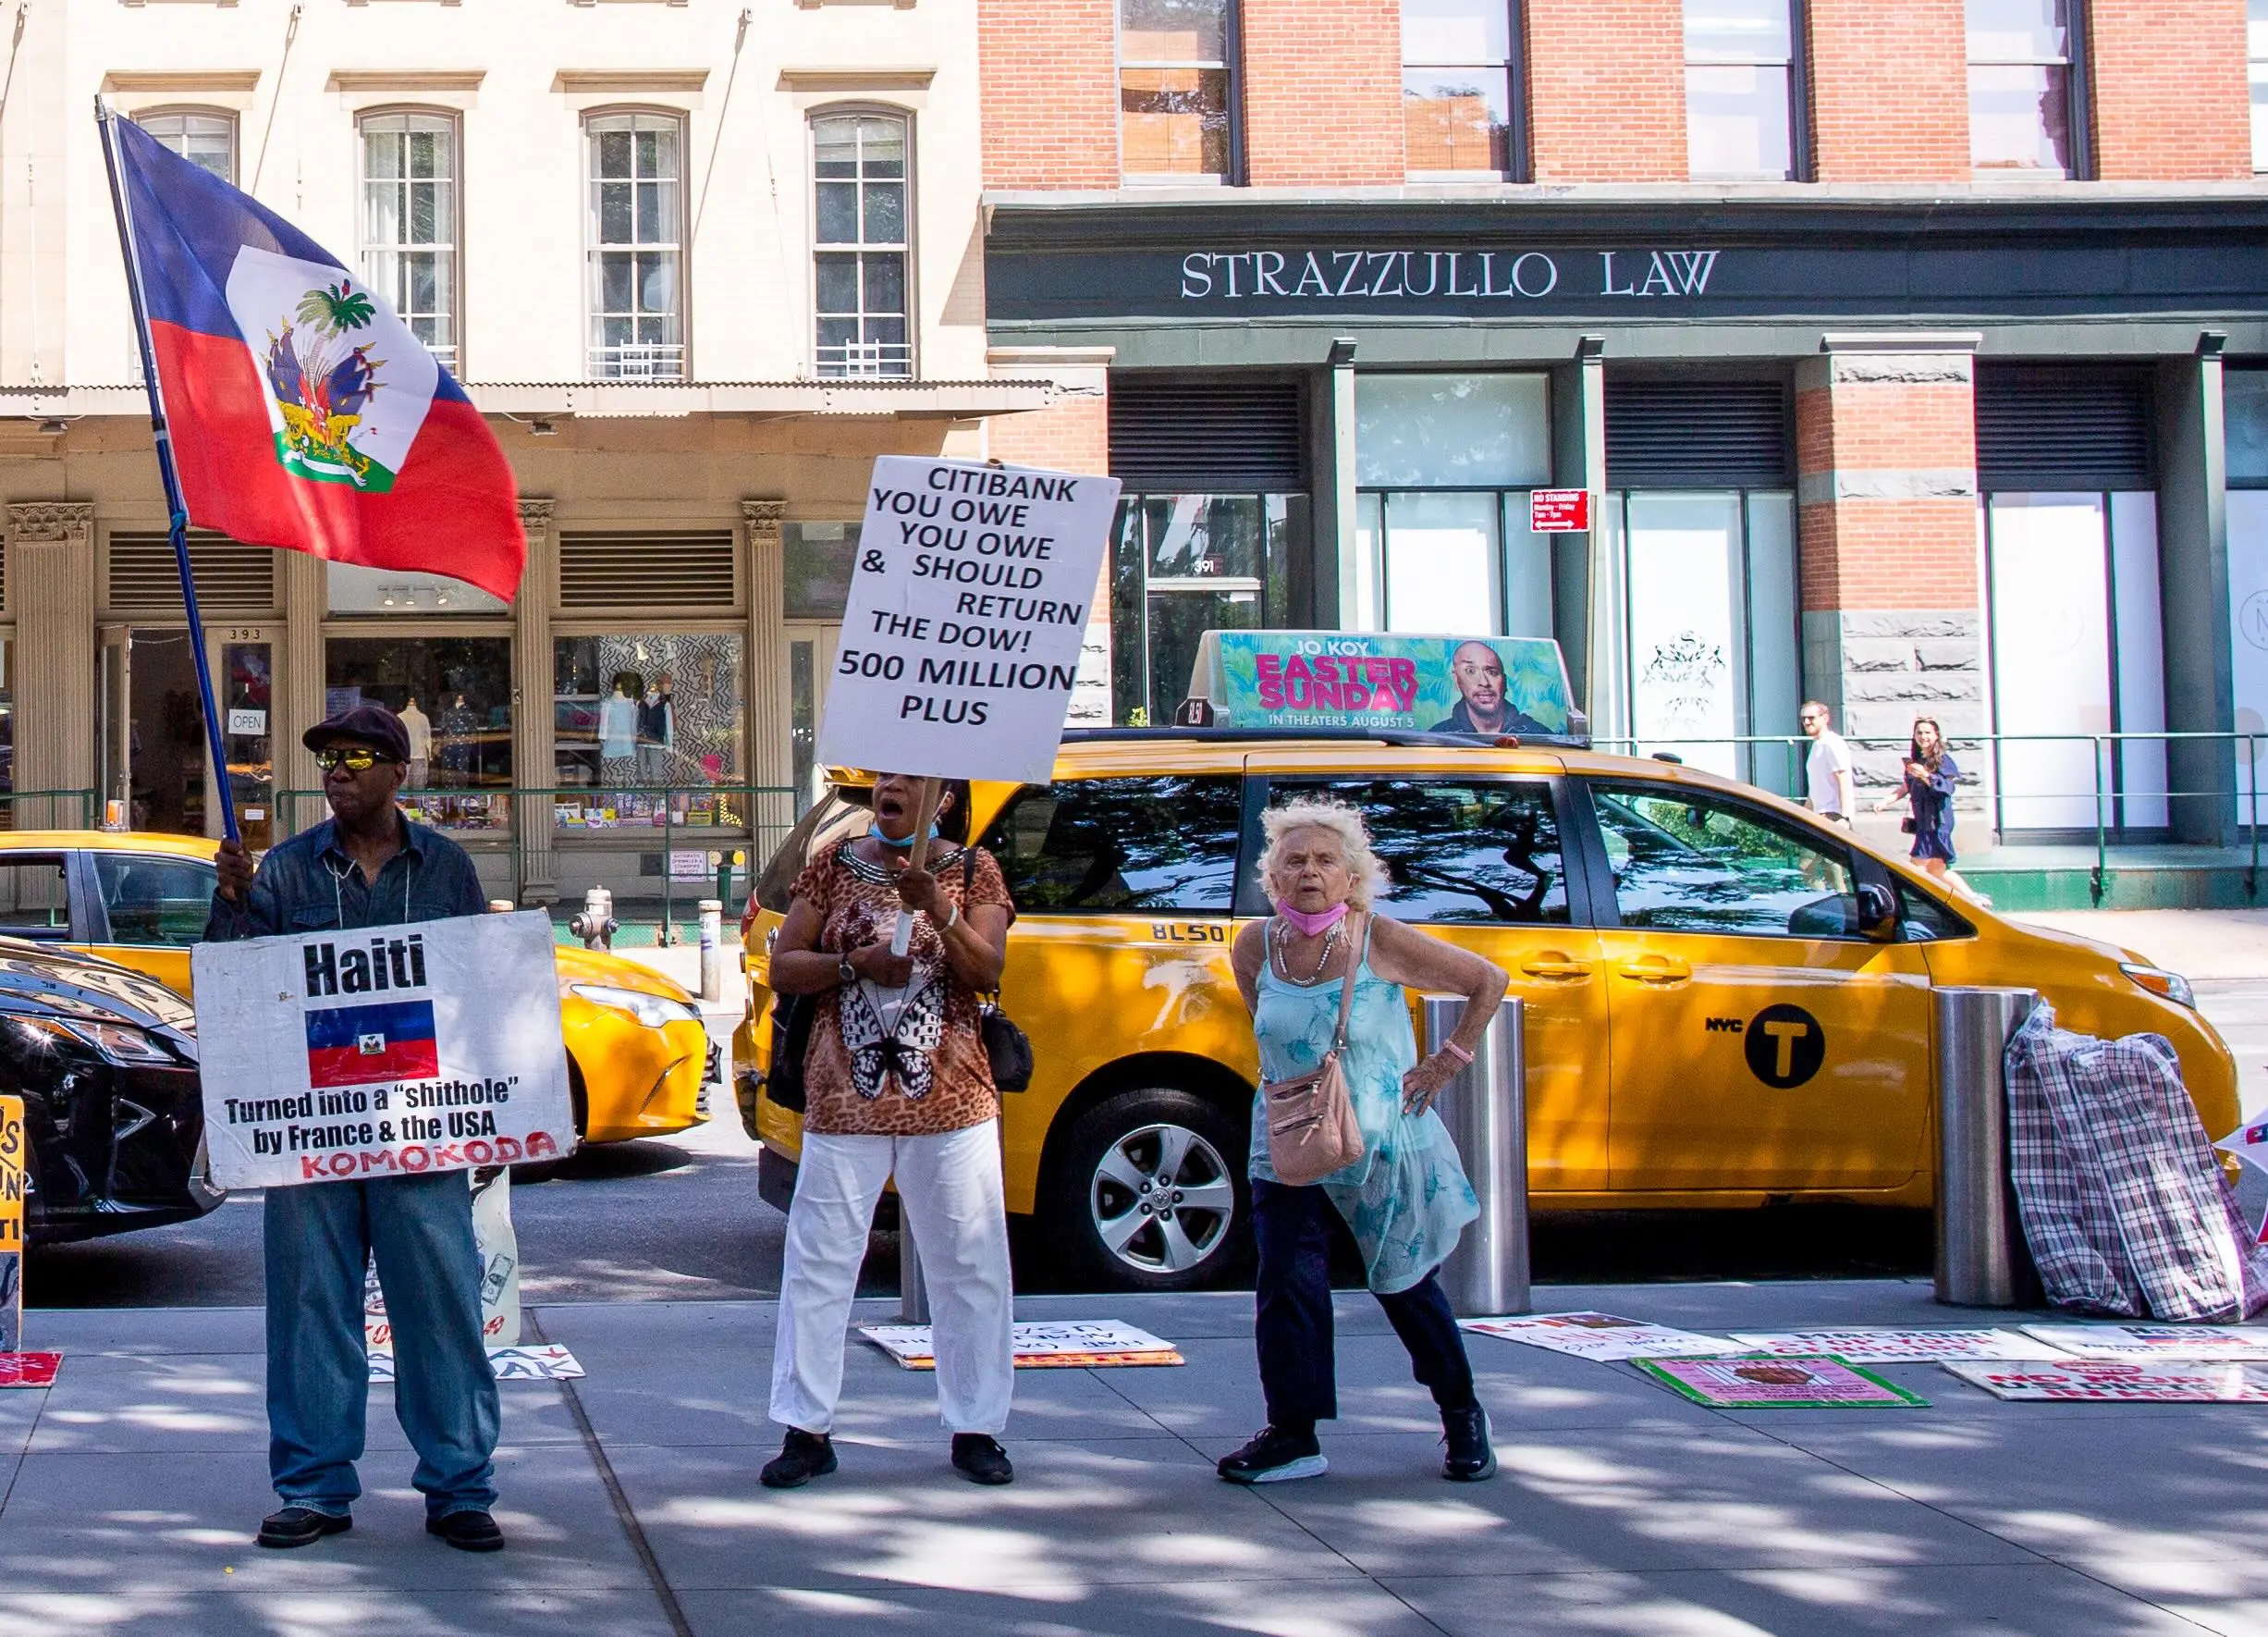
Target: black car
x,y
105,1060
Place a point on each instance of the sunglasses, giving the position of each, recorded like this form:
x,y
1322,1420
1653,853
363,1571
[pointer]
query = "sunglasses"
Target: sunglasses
x,y
358,760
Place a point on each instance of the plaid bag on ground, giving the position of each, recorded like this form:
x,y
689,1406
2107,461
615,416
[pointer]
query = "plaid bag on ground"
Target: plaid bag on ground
x,y
2123,1199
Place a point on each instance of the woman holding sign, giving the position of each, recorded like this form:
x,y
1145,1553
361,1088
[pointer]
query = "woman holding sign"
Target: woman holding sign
x,y
1326,981
897,1083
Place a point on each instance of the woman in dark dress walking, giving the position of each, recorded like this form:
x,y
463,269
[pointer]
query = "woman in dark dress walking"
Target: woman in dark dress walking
x,y
1930,776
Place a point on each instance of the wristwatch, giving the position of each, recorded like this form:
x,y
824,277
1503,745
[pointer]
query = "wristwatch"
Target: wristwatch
x,y
845,971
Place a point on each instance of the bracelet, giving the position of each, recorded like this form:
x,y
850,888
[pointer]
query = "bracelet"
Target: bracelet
x,y
1458,1052
949,922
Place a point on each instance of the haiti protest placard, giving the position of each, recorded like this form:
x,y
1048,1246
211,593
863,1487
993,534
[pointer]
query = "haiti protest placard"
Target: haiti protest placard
x,y
968,607
383,1052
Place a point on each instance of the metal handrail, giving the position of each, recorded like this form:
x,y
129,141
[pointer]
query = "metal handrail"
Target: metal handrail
x,y
2107,788
87,801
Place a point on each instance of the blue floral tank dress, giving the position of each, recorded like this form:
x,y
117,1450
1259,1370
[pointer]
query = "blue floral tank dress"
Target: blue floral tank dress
x,y
1406,1199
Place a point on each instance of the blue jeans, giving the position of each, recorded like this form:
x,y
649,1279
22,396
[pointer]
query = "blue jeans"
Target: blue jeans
x,y
319,1237
1293,1318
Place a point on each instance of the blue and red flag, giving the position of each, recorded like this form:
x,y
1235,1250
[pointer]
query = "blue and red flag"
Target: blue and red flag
x,y
303,412
361,1045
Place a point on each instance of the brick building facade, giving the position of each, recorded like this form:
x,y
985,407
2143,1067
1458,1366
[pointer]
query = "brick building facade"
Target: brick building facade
x,y
1903,351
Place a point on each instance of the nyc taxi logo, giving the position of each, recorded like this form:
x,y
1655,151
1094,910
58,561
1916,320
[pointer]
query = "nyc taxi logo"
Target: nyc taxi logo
x,y
1784,1045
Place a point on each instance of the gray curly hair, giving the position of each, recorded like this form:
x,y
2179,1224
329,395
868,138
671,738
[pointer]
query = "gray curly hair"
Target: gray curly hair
x,y
1337,820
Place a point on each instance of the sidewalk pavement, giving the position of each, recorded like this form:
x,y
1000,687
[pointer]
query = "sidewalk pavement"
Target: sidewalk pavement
x,y
132,1488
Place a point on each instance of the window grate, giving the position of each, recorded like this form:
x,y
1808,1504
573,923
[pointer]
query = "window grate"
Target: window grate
x,y
639,572
2044,429
1189,437
232,578
1698,435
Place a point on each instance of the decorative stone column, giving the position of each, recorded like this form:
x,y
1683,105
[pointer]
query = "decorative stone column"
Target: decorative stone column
x,y
771,761
51,587
297,704
532,765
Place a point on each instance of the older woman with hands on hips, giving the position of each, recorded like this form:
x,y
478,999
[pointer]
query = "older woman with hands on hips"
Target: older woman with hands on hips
x,y
1406,1199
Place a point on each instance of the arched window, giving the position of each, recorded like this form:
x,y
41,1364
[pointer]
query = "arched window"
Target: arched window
x,y
205,137
861,231
635,236
409,222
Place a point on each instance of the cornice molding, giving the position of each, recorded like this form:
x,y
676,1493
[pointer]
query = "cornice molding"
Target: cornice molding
x,y
627,82
135,81
842,80
391,81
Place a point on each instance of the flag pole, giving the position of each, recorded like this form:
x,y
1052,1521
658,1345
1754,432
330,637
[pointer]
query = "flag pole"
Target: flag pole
x,y
177,510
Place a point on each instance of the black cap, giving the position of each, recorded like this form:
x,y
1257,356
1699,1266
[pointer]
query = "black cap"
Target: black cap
x,y
370,722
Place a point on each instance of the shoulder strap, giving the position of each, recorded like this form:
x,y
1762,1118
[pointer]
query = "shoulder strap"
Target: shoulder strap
x,y
1355,958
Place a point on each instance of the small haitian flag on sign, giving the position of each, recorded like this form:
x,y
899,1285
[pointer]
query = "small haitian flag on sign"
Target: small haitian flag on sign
x,y
360,1045
303,412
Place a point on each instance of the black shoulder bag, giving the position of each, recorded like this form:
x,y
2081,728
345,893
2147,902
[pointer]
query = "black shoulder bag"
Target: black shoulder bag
x,y
1007,1047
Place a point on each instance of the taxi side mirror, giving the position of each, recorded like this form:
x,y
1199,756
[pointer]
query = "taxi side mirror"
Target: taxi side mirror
x,y
1877,909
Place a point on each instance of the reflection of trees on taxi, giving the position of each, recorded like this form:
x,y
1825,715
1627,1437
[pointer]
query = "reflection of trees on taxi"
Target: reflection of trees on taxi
x,y
1690,866
1158,843
1460,851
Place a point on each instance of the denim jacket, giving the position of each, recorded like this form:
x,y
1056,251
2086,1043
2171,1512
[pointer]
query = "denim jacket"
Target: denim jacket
x,y
309,884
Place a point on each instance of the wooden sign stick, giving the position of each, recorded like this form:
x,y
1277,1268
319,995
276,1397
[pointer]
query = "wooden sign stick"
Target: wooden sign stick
x,y
925,816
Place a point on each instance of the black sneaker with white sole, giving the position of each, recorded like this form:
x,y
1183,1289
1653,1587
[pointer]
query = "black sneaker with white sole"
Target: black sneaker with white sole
x,y
1275,1457
1469,1459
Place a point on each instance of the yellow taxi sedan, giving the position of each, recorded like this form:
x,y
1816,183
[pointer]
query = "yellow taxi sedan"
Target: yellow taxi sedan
x,y
1728,1000
638,1055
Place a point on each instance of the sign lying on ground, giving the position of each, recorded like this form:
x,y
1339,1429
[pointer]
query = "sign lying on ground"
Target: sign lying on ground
x,y
968,605
2155,1341
1602,1336
2105,1381
388,1052
29,1370
548,1362
1077,1345
496,1246
1816,1383
1871,1345
1304,680
13,1168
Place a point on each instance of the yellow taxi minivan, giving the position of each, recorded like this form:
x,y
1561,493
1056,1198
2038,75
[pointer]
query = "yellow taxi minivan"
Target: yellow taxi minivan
x,y
1728,1000
638,1055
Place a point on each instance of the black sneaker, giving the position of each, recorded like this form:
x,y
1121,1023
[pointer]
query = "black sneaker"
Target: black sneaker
x,y
979,1458
1469,1458
804,1455
467,1530
300,1526
1274,1456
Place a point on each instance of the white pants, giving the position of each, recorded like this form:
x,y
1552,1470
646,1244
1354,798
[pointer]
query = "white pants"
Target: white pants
x,y
948,1191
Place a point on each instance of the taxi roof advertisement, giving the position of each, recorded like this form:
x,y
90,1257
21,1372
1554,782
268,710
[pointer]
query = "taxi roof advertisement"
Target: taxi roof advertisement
x,y
1295,680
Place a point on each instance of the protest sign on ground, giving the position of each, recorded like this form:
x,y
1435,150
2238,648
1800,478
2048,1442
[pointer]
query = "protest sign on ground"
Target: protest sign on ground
x,y
385,1051
2155,1341
1072,1345
2107,1381
1780,1384
1602,1336
12,1169
548,1362
496,1246
968,607
1872,1345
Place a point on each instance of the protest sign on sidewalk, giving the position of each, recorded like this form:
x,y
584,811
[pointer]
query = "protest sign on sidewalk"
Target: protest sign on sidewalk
x,y
12,1168
388,1050
968,607
1606,1338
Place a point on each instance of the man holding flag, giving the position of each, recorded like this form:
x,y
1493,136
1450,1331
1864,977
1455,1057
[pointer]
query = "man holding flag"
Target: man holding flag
x,y
291,408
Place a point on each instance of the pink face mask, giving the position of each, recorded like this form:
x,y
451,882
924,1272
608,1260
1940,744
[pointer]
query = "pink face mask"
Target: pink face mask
x,y
1314,926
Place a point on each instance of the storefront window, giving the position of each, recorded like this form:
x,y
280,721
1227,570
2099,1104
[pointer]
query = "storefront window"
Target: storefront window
x,y
1444,463
818,558
647,721
1186,564
2245,396
454,694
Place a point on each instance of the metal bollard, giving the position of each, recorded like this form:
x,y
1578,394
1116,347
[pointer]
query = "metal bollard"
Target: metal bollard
x,y
712,950
1486,1106
912,1294
1981,1257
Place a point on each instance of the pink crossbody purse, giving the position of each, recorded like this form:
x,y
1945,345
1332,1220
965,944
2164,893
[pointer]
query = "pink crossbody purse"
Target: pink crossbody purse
x,y
1311,1126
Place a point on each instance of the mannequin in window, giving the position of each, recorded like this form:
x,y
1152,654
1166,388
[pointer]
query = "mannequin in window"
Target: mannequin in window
x,y
420,742
617,729
656,729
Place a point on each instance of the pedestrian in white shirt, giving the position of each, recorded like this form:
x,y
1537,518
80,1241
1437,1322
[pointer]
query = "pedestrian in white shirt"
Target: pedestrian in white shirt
x,y
1827,771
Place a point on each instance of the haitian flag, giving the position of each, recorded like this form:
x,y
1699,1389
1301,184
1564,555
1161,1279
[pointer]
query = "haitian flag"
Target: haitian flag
x,y
359,1045
303,413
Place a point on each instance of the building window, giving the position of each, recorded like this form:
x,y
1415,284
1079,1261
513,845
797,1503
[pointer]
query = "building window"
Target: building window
x,y
2024,114
1741,89
637,293
1184,564
644,714
410,223
454,694
819,558
859,164
204,138
1442,466
1176,85
1458,87
2256,50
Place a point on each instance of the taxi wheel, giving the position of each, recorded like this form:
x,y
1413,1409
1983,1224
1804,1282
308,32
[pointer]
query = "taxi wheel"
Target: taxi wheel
x,y
1150,1193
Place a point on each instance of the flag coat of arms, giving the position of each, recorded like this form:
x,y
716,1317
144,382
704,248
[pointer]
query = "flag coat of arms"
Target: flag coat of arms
x,y
362,1045
303,412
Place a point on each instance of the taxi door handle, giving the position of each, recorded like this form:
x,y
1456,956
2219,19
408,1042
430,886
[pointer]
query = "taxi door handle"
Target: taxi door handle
x,y
1554,965
1654,970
